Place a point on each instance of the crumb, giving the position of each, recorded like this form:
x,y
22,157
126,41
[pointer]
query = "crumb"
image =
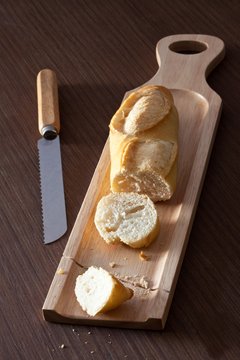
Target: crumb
x,y
109,334
60,271
125,356
147,291
85,342
62,346
135,280
73,330
112,264
143,283
125,258
142,293
92,351
89,333
109,342
143,256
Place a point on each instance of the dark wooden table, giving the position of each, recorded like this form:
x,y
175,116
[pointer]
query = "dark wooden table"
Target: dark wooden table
x,y
99,50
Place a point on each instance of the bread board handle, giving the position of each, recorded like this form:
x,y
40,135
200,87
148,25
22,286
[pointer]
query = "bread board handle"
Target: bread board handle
x,y
185,61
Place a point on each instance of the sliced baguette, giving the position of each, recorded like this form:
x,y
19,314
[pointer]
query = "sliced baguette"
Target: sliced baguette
x,y
127,217
97,291
144,144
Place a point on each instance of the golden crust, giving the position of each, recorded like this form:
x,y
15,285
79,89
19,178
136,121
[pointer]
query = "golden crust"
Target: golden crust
x,y
119,294
142,110
144,144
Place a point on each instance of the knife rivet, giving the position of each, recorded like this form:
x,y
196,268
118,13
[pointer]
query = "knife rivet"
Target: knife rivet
x,y
49,132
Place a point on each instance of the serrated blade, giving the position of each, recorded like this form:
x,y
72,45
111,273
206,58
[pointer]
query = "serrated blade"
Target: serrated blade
x,y
52,190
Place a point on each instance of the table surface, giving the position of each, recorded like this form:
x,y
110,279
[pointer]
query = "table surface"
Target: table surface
x,y
99,50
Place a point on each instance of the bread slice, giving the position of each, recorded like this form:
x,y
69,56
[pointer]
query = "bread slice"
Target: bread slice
x,y
127,217
144,144
97,291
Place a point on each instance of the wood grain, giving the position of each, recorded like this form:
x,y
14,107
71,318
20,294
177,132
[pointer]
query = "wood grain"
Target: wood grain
x,y
99,50
48,105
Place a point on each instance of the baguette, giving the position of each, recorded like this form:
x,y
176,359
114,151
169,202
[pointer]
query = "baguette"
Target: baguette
x,y
97,291
143,144
127,217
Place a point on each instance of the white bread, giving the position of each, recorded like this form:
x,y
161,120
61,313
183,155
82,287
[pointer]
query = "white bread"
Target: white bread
x,y
144,144
97,291
127,217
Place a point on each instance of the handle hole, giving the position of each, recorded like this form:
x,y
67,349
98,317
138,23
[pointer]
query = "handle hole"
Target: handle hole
x,y
188,47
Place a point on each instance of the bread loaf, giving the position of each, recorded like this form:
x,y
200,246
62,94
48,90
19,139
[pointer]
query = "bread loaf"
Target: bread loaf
x,y
97,291
144,145
127,217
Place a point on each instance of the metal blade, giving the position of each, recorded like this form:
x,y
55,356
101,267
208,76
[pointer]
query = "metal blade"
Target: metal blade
x,y
52,190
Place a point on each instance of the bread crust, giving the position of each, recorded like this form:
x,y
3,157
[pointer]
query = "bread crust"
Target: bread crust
x,y
144,144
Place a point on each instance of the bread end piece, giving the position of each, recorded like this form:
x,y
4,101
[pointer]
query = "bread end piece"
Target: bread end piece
x,y
98,291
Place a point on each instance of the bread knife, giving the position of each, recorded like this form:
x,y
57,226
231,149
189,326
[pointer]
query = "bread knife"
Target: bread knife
x,y
51,179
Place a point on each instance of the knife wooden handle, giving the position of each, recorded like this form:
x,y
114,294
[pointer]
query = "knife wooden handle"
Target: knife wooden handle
x,y
48,107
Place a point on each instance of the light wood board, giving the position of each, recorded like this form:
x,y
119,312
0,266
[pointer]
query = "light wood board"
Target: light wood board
x,y
184,63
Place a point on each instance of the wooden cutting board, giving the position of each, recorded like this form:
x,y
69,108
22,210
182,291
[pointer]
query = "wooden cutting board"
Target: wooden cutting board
x,y
184,63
